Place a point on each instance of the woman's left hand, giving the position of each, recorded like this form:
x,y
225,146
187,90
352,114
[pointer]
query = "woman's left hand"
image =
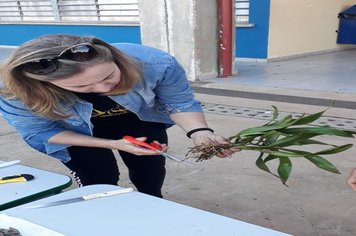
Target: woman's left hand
x,y
214,139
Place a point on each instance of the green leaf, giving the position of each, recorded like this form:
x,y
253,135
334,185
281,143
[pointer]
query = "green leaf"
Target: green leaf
x,y
270,158
285,122
242,140
290,140
334,150
280,153
284,169
308,119
270,137
275,113
322,163
311,141
324,130
261,164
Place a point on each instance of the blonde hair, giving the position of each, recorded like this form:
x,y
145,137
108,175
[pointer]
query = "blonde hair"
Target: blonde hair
x,y
46,99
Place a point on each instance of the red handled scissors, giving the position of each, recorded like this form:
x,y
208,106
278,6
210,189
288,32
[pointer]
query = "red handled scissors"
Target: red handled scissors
x,y
153,146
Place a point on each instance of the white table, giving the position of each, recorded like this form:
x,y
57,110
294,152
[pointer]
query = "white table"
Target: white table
x,y
131,213
45,183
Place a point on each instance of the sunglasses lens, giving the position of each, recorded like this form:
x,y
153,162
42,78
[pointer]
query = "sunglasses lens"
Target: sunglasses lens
x,y
80,53
41,67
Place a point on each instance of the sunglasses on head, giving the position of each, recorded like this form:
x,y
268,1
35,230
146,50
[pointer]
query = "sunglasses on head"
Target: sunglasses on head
x,y
80,52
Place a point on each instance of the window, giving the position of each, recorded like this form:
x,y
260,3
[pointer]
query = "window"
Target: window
x,y
242,10
70,11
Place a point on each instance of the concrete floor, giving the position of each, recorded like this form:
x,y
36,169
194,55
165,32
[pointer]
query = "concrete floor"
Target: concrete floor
x,y
315,203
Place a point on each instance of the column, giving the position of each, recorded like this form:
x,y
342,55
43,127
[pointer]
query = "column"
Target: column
x,y
187,29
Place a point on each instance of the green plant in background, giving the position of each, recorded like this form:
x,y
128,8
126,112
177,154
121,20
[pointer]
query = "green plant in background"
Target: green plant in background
x,y
281,140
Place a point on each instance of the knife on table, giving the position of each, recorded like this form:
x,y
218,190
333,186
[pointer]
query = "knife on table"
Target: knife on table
x,y
9,163
82,198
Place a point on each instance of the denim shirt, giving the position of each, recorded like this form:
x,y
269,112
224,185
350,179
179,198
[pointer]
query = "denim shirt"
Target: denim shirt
x,y
164,90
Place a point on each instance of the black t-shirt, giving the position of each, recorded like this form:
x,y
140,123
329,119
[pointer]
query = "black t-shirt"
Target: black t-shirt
x,y
104,108
111,120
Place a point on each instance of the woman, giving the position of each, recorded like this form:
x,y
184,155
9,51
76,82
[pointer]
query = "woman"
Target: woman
x,y
74,98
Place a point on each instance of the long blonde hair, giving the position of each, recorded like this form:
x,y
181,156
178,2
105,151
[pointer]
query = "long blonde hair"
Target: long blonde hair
x,y
46,99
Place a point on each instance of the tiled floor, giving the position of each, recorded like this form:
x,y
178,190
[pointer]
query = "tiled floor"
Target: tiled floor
x,y
266,114
332,71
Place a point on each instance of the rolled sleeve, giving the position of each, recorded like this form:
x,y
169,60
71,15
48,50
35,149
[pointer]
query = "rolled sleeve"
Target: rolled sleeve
x,y
192,106
173,93
35,130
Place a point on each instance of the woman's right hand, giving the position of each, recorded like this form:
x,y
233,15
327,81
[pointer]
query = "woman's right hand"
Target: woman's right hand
x,y
351,181
76,139
127,146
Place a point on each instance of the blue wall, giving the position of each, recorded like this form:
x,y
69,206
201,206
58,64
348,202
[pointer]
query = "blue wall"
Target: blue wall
x,y
253,42
250,42
14,35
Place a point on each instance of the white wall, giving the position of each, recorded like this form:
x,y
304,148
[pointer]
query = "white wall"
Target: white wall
x,y
304,26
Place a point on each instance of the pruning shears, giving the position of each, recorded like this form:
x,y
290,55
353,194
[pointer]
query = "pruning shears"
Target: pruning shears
x,y
155,147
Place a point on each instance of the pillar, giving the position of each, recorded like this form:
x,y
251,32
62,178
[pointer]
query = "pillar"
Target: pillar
x,y
187,29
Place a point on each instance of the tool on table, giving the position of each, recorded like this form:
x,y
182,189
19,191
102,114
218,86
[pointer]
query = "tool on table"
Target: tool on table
x,y
16,178
82,198
155,147
9,163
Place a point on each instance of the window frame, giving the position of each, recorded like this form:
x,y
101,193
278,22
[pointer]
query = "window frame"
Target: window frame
x,y
55,12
